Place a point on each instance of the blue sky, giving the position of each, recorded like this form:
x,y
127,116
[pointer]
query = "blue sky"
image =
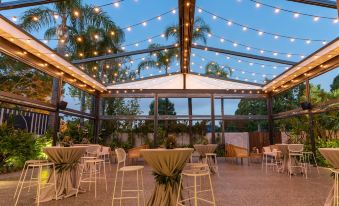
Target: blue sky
x,y
243,12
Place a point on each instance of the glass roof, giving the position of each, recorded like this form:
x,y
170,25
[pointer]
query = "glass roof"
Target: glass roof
x,y
276,29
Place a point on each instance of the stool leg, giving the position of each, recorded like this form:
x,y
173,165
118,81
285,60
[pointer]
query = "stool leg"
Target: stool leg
x,y
105,176
39,185
122,185
30,180
95,178
20,179
21,186
115,184
81,173
138,188
315,162
213,198
142,186
195,192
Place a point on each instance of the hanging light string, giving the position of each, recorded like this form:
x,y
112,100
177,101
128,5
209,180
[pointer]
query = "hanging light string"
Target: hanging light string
x,y
250,63
296,14
261,51
259,31
242,71
128,28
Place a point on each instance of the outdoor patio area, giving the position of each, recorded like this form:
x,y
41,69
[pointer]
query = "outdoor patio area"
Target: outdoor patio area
x,y
169,103
237,185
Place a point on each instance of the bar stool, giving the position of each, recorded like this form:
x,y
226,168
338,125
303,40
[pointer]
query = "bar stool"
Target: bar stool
x,y
335,186
41,185
105,155
92,168
307,158
32,179
211,160
121,158
270,158
295,152
200,171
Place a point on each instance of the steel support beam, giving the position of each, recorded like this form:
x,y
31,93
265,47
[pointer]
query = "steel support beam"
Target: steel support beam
x,y
270,118
186,23
123,54
310,120
246,55
24,3
190,122
96,114
156,115
212,119
222,122
322,3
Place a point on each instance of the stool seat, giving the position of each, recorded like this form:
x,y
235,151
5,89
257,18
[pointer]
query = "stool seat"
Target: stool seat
x,y
35,161
131,168
41,164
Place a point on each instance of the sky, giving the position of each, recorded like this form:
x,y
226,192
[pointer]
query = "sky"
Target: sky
x,y
224,18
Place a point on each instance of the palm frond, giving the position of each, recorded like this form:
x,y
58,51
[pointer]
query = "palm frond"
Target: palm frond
x,y
50,33
44,18
146,63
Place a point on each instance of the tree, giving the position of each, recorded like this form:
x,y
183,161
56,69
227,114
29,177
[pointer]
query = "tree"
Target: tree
x,y
159,59
200,31
213,68
335,84
165,107
19,78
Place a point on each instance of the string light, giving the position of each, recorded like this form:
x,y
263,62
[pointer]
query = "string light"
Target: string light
x,y
248,47
260,32
295,13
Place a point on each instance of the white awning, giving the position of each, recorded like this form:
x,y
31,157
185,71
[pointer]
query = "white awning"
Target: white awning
x,y
176,81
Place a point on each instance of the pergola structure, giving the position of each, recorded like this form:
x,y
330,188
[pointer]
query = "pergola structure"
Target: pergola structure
x,y
24,47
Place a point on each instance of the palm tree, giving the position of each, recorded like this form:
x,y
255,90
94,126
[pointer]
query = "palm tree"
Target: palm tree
x,y
213,68
200,31
77,28
159,59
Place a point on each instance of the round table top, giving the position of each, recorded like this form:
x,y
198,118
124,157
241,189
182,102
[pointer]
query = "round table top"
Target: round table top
x,y
331,155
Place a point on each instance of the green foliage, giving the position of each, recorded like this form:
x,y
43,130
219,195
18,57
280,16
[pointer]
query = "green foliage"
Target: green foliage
x,y
213,68
17,146
167,180
322,143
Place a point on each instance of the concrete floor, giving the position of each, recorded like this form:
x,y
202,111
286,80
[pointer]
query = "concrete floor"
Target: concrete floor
x,y
238,185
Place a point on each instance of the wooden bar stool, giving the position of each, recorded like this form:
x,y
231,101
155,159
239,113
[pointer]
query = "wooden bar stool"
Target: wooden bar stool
x,y
199,171
40,185
92,168
121,158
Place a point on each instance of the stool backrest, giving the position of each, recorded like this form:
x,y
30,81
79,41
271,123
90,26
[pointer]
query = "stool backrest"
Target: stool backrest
x,y
105,150
295,148
267,149
121,155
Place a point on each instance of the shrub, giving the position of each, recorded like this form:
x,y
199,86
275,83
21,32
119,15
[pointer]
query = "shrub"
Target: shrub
x,y
322,143
17,146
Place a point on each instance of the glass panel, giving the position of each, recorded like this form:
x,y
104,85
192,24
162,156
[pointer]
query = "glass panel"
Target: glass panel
x,y
77,128
201,106
289,99
77,99
21,79
325,87
231,106
175,106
